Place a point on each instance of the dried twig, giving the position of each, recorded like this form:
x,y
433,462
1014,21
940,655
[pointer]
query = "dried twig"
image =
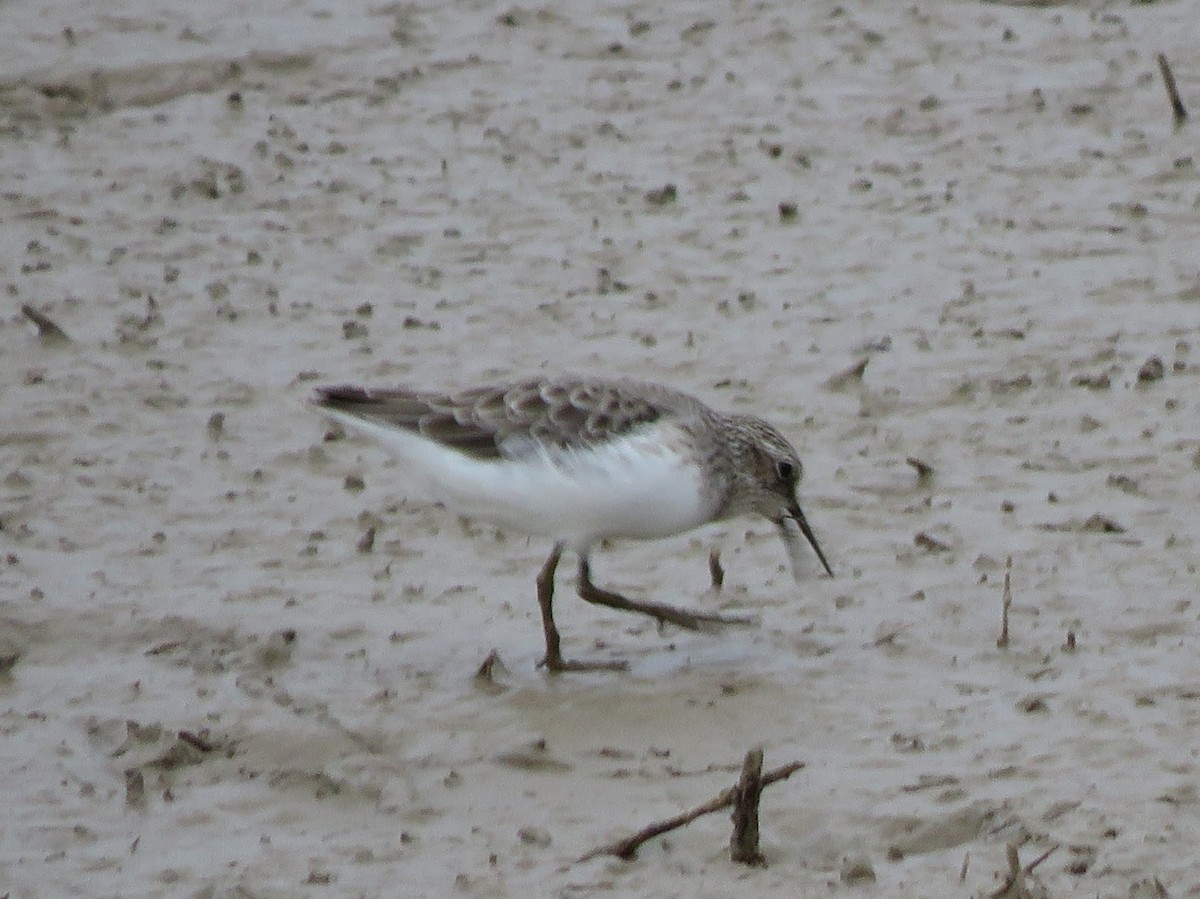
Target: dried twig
x,y
1177,107
199,741
924,469
743,844
1002,643
1028,869
626,848
716,570
47,330
488,667
847,376
486,675
1014,882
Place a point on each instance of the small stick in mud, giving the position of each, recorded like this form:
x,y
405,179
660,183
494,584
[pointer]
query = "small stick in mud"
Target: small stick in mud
x,y
924,469
1168,77
852,375
626,848
199,741
1002,643
1014,882
716,570
743,844
490,667
47,330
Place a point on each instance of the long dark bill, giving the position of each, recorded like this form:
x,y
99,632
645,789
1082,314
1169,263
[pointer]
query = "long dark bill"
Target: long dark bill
x,y
794,520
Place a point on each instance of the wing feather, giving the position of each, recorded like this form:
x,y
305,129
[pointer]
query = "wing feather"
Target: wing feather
x,y
509,421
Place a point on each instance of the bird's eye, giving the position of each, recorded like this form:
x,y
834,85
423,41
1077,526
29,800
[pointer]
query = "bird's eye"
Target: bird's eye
x,y
786,470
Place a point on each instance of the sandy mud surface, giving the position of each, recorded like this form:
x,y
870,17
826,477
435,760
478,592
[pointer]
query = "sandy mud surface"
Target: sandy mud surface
x,y
237,659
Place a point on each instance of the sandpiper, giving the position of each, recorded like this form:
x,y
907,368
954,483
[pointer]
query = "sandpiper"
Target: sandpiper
x,y
581,460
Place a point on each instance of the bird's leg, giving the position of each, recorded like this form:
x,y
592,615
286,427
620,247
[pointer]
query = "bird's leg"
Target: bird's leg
x,y
693,621
545,591
553,661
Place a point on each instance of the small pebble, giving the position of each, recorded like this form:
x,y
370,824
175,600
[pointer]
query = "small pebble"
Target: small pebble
x,y
534,836
857,869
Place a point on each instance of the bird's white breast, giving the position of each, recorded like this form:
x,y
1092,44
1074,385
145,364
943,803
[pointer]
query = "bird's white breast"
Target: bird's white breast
x,y
639,486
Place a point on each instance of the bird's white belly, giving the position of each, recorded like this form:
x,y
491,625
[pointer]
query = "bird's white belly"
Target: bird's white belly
x,y
634,489
640,487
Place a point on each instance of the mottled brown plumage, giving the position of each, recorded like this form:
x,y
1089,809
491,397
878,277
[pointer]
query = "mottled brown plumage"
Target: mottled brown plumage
x,y
509,420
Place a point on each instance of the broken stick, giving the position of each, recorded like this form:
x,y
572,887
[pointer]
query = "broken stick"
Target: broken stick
x,y
626,848
1177,107
743,844
1014,882
716,570
1002,642
48,331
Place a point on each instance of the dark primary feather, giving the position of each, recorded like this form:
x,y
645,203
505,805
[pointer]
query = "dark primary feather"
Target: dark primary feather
x,y
507,420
